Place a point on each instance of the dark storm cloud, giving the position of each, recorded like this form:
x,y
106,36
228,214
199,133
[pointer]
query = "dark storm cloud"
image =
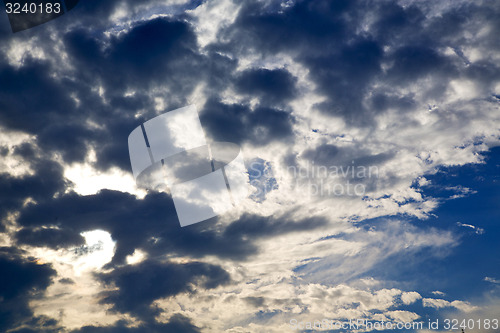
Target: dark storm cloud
x,y
164,41
304,25
66,281
46,181
67,113
345,62
250,226
52,238
156,53
271,86
111,148
98,13
149,54
351,163
34,102
328,154
322,155
255,301
30,98
151,224
317,34
414,62
397,25
381,101
140,285
239,123
20,281
176,324
344,77
152,53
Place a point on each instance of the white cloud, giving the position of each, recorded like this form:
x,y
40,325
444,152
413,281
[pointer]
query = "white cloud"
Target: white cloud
x,y
9,163
435,303
211,17
237,307
478,230
492,280
485,313
410,297
88,180
402,316
441,303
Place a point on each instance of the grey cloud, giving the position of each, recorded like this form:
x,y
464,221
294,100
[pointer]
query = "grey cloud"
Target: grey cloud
x,y
272,86
151,224
239,123
141,284
21,280
53,238
46,181
351,66
176,324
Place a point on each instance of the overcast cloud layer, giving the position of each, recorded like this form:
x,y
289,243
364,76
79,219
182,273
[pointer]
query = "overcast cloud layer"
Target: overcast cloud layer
x,y
370,131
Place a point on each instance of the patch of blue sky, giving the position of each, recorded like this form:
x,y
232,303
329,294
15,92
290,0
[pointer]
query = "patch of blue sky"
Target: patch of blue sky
x,y
469,269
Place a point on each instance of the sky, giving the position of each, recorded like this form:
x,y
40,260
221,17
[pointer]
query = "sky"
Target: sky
x,y
370,132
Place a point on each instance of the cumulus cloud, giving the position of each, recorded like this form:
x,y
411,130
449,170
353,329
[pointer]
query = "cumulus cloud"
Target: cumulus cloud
x,y
441,303
410,297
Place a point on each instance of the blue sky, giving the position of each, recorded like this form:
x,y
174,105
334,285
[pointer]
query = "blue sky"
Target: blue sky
x,y
370,132
466,271
476,258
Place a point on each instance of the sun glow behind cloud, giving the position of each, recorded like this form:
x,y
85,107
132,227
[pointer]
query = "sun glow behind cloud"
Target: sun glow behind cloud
x,y
98,250
76,283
